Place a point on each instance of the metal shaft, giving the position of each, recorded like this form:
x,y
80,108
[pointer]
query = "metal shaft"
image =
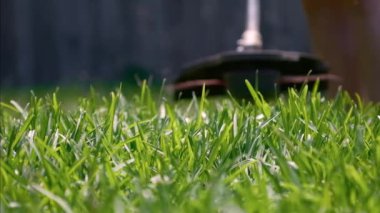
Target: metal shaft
x,y
251,38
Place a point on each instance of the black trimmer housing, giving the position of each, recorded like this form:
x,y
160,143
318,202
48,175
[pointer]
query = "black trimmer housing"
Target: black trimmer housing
x,y
267,70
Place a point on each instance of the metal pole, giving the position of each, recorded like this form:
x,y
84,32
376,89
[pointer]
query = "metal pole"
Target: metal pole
x,y
251,38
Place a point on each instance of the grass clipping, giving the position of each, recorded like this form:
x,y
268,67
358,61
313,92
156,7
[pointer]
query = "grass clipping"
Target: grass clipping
x,y
142,153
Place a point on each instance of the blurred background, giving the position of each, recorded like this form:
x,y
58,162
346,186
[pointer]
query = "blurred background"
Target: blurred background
x,y
54,43
58,42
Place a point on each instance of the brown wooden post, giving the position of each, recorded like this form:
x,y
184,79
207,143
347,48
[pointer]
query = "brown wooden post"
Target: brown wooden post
x,y
346,34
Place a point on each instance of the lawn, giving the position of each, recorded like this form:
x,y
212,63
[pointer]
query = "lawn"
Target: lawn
x,y
145,153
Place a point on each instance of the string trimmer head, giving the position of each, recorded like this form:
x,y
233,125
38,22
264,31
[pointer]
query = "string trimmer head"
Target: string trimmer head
x,y
267,70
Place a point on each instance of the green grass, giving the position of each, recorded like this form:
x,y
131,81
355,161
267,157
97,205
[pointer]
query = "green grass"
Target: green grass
x,y
143,153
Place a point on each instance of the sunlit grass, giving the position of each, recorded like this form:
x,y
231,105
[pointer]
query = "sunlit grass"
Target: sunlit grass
x,y
144,153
